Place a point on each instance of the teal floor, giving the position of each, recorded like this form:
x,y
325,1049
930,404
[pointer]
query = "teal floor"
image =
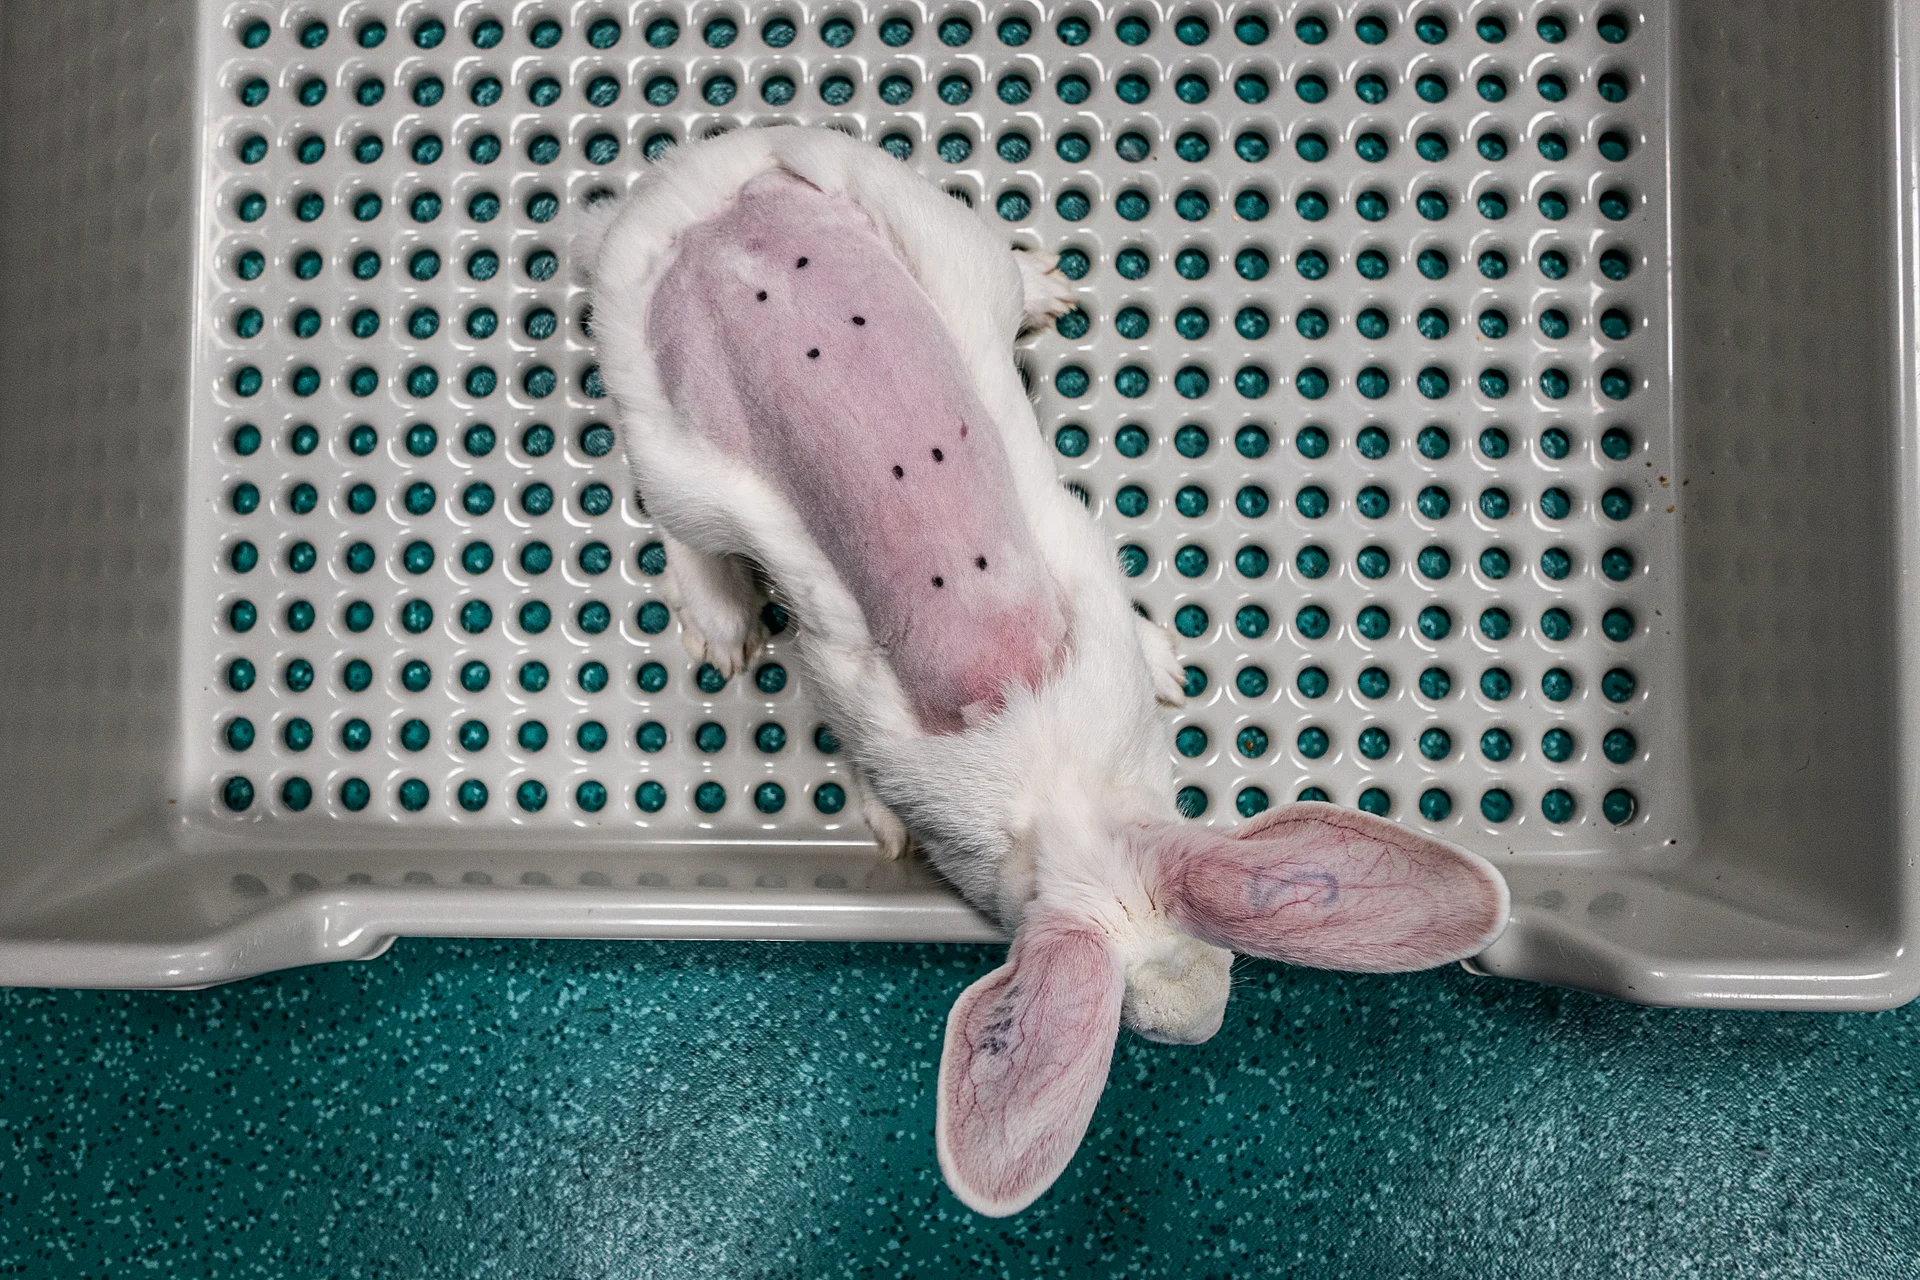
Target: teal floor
x,y
664,1110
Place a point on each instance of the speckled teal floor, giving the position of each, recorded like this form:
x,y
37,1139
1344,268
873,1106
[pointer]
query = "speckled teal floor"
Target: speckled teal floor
x,y
663,1110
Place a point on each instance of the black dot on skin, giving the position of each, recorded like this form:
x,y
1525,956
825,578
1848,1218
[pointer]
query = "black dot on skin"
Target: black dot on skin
x,y
813,353
898,472
859,319
801,263
939,582
762,295
939,456
980,561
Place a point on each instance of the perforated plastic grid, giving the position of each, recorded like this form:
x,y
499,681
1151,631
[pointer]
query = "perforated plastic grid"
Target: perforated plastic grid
x,y
1369,384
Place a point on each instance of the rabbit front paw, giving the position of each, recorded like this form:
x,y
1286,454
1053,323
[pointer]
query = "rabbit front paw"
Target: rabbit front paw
x,y
719,608
1045,293
1169,676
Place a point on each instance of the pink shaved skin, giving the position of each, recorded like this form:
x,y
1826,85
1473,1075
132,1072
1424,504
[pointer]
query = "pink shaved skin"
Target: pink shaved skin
x,y
1317,885
1025,1062
788,333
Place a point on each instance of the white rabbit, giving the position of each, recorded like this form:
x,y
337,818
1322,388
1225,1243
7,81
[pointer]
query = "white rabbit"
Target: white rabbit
x,y
809,350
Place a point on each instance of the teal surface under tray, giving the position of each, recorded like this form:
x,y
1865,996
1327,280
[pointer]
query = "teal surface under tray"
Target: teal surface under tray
x,y
674,1111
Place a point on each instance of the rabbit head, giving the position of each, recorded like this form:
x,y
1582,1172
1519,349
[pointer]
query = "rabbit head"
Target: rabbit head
x,y
1028,1046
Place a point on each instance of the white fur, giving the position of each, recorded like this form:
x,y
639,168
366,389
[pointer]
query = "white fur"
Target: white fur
x,y
1169,676
1045,292
889,833
1025,807
718,605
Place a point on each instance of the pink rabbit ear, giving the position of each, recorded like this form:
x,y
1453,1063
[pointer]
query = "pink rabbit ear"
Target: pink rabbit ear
x,y
1026,1058
1318,885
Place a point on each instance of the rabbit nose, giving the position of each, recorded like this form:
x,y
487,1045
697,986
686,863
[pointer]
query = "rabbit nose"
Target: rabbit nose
x,y
1179,994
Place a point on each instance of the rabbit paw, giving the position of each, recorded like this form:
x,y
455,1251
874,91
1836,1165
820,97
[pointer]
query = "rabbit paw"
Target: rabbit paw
x,y
719,608
1045,292
730,656
1169,677
888,831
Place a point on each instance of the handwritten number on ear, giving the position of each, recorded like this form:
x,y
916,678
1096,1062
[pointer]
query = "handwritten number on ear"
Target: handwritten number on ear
x,y
994,1039
1264,889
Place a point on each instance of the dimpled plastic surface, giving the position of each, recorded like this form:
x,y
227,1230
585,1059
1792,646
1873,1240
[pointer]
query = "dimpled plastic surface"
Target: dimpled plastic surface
x,y
1371,384
442,314
1293,431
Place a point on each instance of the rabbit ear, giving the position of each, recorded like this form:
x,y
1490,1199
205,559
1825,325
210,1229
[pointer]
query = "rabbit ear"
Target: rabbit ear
x,y
1026,1058
1318,885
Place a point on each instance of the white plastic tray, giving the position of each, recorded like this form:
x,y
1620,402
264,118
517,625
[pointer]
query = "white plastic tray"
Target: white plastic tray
x,y
329,619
